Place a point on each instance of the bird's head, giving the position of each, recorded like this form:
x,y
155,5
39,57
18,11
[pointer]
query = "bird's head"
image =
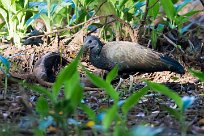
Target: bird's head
x,y
92,43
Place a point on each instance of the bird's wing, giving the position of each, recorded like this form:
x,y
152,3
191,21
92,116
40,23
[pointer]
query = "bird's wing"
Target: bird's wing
x,y
133,57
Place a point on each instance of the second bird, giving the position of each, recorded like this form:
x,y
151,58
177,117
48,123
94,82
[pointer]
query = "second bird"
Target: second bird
x,y
131,57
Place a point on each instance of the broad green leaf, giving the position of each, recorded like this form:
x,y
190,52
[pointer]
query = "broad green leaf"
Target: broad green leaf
x,y
91,114
169,8
65,74
42,106
110,115
77,92
197,74
37,88
134,99
166,91
153,11
70,84
175,112
103,84
112,74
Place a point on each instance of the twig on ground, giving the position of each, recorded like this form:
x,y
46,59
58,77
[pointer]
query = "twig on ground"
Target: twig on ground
x,y
171,42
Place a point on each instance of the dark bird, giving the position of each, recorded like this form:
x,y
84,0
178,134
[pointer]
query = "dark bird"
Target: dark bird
x,y
130,57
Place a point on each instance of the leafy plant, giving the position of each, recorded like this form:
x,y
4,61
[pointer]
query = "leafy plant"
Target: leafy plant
x,y
54,109
15,14
123,9
198,74
52,14
4,67
172,11
55,14
183,104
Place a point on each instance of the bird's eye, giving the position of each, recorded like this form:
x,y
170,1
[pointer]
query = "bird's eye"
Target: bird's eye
x,y
90,41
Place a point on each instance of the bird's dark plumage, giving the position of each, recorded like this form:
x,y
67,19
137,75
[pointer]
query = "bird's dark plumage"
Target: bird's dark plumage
x,y
131,57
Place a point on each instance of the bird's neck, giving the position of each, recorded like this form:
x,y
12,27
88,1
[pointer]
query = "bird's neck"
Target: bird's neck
x,y
94,55
97,58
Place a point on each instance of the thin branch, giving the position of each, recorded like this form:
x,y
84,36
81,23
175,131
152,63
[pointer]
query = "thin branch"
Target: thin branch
x,y
99,7
130,29
142,23
171,42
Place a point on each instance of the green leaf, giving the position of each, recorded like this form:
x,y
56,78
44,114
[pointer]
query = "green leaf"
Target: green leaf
x,y
155,9
87,2
122,3
154,38
64,107
192,12
70,85
73,90
41,90
91,114
166,91
134,99
65,74
110,115
6,4
38,132
42,106
112,74
177,114
4,15
169,8
104,7
197,74
103,84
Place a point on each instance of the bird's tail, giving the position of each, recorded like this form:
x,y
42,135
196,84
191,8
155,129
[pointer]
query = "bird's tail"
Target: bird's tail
x,y
173,64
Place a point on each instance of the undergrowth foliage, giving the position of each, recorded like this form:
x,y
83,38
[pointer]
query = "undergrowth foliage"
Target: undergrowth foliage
x,y
62,111
20,16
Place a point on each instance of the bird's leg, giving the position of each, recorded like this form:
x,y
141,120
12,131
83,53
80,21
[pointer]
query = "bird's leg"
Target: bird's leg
x,y
131,83
119,84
